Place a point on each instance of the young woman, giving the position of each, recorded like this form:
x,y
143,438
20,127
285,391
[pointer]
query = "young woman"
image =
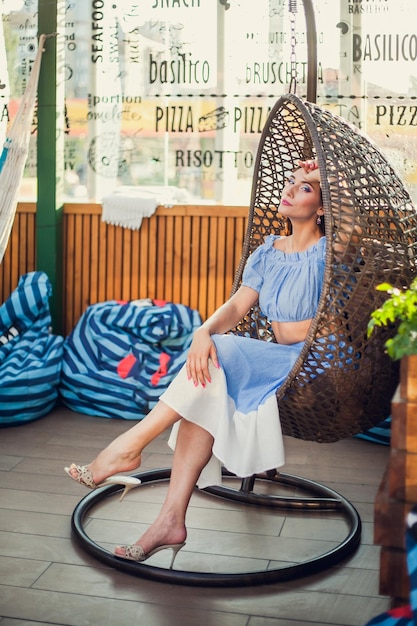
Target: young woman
x,y
222,405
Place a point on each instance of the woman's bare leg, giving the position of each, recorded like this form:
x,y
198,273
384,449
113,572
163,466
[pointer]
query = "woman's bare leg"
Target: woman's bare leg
x,y
123,454
192,452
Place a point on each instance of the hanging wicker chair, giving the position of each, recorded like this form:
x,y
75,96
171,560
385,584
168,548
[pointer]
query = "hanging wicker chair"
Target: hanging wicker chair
x,y
343,380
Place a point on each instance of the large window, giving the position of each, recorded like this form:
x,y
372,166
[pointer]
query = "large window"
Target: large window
x,y
175,93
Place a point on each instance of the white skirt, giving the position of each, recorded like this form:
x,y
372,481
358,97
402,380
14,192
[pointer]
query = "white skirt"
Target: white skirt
x,y
239,407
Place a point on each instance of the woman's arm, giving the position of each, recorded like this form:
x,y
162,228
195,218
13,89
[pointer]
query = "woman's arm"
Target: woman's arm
x,y
223,319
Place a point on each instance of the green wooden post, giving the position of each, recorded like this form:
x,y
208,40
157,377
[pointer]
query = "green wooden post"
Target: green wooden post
x,y
50,154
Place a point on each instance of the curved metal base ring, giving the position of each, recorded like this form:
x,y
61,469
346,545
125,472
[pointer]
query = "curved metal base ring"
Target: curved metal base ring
x,y
323,498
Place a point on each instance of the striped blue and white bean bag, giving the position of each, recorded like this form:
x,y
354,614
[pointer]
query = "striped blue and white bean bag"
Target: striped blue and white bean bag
x,y
30,356
121,356
381,433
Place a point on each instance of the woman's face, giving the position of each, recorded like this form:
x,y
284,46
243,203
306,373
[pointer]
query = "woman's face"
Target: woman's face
x,y
301,197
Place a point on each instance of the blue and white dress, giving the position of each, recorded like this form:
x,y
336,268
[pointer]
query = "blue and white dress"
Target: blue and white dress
x,y
239,407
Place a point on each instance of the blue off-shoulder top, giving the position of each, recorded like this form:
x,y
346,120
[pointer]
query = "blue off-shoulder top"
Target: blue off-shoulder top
x,y
289,285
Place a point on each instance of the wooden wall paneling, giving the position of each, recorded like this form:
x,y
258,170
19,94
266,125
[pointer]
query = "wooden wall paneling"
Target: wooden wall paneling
x,y
186,265
68,265
31,242
202,282
86,266
231,264
212,264
179,253
143,283
12,276
79,270
195,264
119,238
174,249
109,256
167,284
186,254
126,256
28,211
102,266
134,264
93,264
74,273
5,271
125,282
20,254
240,234
153,255
162,270
19,251
112,264
235,230
221,254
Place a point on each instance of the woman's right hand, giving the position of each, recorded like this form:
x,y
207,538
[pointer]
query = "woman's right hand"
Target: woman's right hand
x,y
203,348
309,165
201,351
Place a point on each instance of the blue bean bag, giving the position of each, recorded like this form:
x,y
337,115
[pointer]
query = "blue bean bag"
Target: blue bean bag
x,y
30,356
121,356
381,433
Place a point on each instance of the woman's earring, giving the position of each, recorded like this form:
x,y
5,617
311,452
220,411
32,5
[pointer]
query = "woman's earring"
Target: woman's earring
x,y
318,220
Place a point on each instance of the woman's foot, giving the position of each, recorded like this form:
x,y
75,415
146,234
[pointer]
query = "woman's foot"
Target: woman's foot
x,y
81,474
164,533
136,552
108,463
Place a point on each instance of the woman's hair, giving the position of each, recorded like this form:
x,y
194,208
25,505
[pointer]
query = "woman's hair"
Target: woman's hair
x,y
322,225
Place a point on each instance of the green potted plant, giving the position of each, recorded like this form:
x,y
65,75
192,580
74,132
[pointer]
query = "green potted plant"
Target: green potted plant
x,y
400,308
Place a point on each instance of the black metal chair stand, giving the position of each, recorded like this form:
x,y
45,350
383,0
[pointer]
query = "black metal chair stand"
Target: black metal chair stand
x,y
322,499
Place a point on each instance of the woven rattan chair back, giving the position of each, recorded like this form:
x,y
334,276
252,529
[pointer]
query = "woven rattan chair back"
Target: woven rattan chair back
x,y
343,380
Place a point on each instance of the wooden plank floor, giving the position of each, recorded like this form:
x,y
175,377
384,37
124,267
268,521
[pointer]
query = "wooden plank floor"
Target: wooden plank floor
x,y
45,578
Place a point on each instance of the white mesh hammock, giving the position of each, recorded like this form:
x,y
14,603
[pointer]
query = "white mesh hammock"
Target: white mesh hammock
x,y
15,152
